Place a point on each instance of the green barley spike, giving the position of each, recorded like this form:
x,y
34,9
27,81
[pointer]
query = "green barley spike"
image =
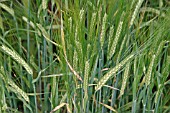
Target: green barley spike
x,y
110,38
113,71
17,58
149,73
125,77
103,32
135,12
115,41
85,84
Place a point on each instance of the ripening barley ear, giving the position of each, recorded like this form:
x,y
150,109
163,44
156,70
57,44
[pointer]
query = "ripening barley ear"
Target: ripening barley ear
x,y
18,90
113,71
110,40
103,32
81,14
115,41
121,48
17,58
9,10
13,87
135,12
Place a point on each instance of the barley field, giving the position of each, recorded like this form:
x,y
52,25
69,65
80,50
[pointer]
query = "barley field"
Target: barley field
x,y
84,56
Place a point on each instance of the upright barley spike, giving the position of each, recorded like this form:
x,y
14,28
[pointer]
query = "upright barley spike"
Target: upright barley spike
x,y
85,84
135,12
103,32
149,73
125,77
110,39
115,41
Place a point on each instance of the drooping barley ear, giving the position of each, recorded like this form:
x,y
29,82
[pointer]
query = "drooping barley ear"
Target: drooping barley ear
x,y
149,72
85,84
135,12
125,77
115,41
152,10
103,31
110,38
105,78
17,58
18,90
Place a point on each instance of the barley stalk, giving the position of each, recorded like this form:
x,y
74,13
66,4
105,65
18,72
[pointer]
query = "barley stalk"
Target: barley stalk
x,y
105,78
149,73
125,77
46,35
17,58
73,71
58,107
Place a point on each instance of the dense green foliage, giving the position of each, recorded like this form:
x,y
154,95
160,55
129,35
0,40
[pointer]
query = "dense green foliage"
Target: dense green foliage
x,y
84,56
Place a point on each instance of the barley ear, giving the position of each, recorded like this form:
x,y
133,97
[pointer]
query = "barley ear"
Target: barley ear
x,y
18,90
85,84
115,41
149,72
17,58
135,12
113,71
125,77
103,32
